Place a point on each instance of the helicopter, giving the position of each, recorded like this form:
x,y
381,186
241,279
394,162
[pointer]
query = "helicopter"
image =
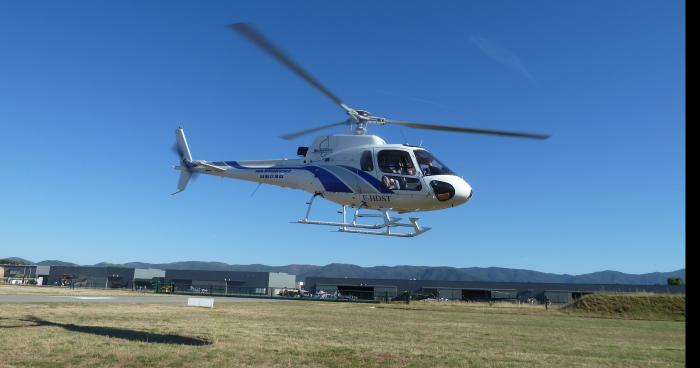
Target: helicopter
x,y
359,171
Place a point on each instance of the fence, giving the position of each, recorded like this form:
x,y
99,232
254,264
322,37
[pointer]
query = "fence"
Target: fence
x,y
214,289
18,281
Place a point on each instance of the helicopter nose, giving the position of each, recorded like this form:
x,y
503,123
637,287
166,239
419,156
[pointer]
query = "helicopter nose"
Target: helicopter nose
x,y
463,192
452,190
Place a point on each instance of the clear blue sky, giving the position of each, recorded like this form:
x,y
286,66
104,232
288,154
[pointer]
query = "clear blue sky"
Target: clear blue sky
x,y
90,93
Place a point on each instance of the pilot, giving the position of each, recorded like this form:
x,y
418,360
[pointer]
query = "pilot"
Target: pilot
x,y
425,163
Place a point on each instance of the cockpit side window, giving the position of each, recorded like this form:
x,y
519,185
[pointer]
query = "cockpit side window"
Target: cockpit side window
x,y
396,162
366,163
429,165
401,183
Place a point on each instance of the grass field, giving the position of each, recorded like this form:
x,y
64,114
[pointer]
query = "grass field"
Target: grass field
x,y
328,334
630,306
55,290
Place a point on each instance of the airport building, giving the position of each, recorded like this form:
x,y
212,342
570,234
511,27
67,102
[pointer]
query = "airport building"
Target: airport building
x,y
17,274
179,281
272,283
230,282
525,292
88,277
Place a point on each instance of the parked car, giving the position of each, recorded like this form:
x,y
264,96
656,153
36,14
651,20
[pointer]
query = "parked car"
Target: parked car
x,y
295,293
414,296
346,297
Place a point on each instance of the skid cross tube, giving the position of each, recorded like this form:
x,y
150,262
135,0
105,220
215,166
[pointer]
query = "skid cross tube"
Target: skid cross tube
x,y
354,227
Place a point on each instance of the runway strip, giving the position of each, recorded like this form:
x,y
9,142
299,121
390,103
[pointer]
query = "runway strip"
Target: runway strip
x,y
116,299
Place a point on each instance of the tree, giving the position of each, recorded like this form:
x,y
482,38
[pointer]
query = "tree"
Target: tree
x,y
10,261
675,281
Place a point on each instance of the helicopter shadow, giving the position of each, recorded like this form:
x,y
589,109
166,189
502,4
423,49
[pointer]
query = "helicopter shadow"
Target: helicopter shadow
x,y
119,333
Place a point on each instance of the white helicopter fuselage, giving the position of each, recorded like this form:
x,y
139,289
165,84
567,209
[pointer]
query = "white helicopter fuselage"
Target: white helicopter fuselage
x,y
360,171
355,171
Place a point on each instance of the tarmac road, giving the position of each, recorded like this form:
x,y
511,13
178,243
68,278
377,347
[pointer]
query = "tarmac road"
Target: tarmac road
x,y
118,299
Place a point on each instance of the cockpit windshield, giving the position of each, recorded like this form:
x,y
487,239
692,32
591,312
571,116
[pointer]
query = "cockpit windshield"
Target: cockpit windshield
x,y
430,165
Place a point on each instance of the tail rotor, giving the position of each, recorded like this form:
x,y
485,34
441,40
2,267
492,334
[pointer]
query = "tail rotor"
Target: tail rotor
x,y
186,166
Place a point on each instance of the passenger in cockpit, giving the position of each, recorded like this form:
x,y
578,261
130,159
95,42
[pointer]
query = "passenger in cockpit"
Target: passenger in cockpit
x,y
390,183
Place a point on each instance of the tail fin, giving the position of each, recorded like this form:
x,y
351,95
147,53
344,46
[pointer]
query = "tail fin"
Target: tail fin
x,y
183,150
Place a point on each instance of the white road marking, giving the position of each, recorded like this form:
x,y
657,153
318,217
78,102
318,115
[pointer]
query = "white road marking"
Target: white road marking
x,y
92,297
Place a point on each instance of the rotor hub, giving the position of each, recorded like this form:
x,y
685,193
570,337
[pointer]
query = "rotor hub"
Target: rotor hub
x,y
364,114
360,128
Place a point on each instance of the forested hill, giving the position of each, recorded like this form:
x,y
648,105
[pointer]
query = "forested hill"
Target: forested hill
x,y
404,272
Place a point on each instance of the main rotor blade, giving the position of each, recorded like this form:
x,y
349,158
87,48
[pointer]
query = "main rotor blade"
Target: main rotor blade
x,y
247,31
448,128
291,136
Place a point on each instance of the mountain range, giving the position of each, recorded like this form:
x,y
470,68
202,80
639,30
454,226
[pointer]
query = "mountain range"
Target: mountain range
x,y
400,272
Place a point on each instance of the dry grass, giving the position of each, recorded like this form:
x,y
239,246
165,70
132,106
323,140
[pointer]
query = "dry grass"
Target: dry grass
x,y
56,290
631,306
286,334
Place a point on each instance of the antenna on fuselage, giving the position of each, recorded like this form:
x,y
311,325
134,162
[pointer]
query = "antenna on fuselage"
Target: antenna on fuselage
x,y
405,140
255,190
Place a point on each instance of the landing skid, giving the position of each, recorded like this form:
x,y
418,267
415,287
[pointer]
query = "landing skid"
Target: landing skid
x,y
383,228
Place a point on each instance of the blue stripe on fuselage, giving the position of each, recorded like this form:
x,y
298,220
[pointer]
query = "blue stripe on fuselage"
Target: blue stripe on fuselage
x,y
329,181
235,165
369,178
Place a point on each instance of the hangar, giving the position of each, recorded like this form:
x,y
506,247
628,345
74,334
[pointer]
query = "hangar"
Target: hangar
x,y
270,283
179,281
17,274
526,292
90,277
229,282
146,278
